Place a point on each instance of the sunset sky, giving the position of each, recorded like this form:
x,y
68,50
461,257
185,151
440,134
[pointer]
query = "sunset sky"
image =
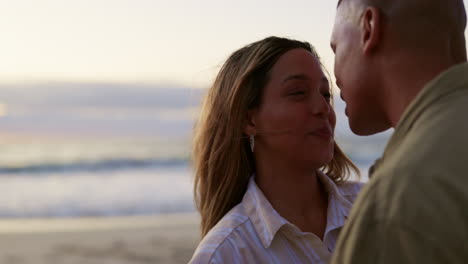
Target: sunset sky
x,y
155,41
58,51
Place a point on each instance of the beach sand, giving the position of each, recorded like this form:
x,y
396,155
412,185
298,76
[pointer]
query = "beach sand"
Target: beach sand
x,y
143,239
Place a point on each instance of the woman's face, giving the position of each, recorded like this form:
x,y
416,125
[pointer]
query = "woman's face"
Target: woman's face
x,y
295,122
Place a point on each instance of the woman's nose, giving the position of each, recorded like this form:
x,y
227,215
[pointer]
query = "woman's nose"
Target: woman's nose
x,y
320,106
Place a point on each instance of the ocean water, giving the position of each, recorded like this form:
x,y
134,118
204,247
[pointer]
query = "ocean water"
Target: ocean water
x,y
114,178
77,149
70,179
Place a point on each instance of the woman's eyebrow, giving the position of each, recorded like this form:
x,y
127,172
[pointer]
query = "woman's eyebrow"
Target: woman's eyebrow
x,y
296,77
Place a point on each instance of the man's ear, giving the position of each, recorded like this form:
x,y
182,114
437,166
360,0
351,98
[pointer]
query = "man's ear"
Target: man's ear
x,y
371,26
250,124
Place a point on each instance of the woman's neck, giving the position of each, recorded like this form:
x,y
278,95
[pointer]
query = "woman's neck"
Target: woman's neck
x,y
296,195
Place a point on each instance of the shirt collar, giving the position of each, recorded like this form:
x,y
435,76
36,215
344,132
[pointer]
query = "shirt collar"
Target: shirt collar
x,y
453,79
264,217
267,221
339,202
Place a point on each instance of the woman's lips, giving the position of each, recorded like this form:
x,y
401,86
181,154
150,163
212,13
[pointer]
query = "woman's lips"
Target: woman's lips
x,y
325,133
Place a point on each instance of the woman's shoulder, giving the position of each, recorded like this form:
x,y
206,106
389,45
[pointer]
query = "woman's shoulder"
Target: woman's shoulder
x,y
350,188
223,237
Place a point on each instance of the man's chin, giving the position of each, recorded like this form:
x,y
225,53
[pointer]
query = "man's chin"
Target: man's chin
x,y
365,129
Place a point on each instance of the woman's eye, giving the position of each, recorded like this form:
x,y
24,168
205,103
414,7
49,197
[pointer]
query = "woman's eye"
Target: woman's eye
x,y
327,96
297,93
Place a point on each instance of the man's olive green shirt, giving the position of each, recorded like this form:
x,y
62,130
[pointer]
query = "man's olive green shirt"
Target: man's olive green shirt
x,y
415,207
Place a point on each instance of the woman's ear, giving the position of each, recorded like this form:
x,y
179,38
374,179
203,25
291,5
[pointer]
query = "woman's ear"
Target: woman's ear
x,y
250,124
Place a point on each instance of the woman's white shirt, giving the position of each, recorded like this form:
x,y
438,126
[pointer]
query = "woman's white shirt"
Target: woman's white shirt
x,y
253,232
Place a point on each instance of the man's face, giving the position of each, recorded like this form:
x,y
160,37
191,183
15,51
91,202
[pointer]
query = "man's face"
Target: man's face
x,y
354,72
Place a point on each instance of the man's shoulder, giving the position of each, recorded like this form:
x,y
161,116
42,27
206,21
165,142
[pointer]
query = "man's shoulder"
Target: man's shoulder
x,y
408,194
427,212
443,124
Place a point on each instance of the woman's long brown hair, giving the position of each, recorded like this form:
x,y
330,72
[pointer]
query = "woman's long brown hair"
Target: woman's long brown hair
x,y
222,159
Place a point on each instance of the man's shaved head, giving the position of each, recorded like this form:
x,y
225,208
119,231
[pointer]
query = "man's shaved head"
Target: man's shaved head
x,y
386,50
422,23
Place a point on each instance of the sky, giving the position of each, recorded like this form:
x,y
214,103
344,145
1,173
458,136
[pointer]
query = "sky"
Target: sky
x,y
153,41
112,66
147,41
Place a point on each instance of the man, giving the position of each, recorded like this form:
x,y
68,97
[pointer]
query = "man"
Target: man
x,y
402,64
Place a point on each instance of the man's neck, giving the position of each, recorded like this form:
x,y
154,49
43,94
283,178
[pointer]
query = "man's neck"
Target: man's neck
x,y
407,80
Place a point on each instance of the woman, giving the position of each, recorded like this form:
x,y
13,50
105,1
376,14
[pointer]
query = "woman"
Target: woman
x,y
269,178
